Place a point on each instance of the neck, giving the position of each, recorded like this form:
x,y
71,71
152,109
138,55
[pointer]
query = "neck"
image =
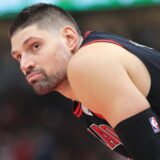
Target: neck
x,y
65,89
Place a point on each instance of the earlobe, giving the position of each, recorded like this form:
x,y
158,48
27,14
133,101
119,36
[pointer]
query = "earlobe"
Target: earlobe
x,y
71,37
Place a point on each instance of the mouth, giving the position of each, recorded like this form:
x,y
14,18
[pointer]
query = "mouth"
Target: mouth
x,y
33,77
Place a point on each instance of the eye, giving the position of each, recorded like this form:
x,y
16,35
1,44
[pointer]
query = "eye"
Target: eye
x,y
35,46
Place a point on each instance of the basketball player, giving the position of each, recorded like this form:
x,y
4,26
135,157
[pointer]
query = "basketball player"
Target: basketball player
x,y
114,82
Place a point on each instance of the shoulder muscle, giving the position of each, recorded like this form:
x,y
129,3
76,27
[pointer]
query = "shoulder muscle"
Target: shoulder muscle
x,y
99,78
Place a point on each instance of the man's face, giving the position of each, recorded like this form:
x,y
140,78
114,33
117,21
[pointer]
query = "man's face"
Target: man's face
x,y
43,57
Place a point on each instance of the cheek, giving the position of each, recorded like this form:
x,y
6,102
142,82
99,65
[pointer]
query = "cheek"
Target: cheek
x,y
54,59
51,64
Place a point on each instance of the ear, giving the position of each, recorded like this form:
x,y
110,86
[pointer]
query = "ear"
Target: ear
x,y
71,38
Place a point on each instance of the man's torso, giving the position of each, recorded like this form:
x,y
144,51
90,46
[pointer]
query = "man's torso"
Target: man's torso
x,y
143,68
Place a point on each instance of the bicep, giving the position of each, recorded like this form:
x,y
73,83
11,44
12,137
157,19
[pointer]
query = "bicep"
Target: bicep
x,y
102,83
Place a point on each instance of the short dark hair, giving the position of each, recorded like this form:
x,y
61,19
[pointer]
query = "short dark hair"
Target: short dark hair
x,y
40,13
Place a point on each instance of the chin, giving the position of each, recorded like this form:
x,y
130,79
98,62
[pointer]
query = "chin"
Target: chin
x,y
45,88
42,91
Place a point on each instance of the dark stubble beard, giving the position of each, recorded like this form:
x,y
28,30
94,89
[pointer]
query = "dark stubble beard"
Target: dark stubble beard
x,y
48,83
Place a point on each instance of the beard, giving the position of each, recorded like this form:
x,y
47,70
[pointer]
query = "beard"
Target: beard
x,y
46,83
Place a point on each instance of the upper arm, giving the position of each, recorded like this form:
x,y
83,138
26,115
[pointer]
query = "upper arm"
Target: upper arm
x,y
100,80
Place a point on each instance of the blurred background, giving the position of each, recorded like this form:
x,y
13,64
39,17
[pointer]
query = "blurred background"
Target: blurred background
x,y
42,127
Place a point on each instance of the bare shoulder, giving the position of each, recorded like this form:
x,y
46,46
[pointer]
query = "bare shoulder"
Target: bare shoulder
x,y
98,75
98,50
90,61
109,57
98,57
94,55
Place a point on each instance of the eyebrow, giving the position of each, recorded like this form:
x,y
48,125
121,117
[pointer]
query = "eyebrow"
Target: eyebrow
x,y
28,39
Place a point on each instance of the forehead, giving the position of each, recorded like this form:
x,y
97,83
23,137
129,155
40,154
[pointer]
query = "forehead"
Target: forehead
x,y
27,32
31,31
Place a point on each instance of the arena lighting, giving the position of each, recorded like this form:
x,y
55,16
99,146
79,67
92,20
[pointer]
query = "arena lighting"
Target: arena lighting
x,y
9,8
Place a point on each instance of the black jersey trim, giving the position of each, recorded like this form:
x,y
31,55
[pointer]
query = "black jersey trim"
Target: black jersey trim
x,y
103,40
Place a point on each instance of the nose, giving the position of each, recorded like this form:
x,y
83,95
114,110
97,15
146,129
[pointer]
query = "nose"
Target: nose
x,y
26,64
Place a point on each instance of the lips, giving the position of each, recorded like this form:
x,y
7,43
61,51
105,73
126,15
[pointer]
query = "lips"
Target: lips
x,y
33,76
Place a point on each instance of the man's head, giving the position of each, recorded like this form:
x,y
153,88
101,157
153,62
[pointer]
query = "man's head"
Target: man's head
x,y
43,38
43,15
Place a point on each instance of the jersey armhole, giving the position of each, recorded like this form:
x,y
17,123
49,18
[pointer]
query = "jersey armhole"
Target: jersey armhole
x,y
103,40
99,116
